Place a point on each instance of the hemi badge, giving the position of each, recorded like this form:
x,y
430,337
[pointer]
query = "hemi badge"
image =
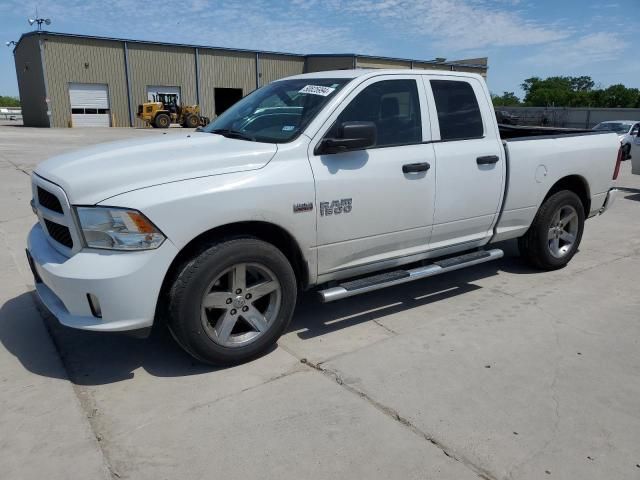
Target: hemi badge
x,y
302,207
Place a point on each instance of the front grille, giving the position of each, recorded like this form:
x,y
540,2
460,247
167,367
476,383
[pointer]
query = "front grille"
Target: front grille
x,y
49,200
59,233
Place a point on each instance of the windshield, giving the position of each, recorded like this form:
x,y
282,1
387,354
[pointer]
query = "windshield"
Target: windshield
x,y
278,112
617,127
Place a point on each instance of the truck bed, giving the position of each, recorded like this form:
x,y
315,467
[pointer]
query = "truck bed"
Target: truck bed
x,y
514,133
538,157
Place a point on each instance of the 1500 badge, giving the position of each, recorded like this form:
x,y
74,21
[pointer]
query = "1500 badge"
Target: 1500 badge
x,y
335,207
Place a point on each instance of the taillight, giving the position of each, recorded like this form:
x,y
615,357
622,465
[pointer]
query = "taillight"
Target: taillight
x,y
618,163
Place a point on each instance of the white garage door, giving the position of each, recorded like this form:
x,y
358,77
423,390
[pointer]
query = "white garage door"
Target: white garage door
x,y
152,89
89,105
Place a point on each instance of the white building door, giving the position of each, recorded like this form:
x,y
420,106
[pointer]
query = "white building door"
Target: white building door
x,y
89,105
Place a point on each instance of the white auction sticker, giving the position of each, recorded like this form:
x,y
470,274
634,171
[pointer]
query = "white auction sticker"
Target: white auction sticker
x,y
317,90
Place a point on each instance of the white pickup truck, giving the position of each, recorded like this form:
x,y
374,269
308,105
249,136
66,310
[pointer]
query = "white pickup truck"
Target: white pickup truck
x,y
342,181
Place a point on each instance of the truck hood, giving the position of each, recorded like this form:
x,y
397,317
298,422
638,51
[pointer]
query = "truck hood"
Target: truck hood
x,y
91,175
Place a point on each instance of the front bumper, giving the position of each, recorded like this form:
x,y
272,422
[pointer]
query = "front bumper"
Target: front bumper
x,y
126,284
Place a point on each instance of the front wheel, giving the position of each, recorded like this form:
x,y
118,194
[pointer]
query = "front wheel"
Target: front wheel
x,y
554,236
232,302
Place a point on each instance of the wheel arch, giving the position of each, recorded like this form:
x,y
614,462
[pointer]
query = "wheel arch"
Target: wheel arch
x,y
266,231
576,184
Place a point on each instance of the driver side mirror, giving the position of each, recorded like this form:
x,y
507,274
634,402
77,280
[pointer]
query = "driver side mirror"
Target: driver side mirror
x,y
350,136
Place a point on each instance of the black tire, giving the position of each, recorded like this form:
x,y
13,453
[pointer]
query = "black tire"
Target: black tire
x,y
162,120
192,121
194,281
535,244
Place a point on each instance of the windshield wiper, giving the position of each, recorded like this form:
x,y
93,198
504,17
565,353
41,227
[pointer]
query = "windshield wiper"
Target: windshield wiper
x,y
226,132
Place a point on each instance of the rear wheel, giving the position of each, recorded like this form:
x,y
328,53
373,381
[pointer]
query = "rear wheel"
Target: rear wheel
x,y
192,121
162,120
232,301
554,236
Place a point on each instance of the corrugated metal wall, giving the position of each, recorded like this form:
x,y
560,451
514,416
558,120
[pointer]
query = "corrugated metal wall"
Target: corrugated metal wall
x,y
224,69
273,67
320,64
163,66
31,83
482,61
430,66
102,61
381,63
73,60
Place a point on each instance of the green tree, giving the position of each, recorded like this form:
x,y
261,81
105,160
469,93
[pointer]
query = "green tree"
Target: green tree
x,y
9,101
552,91
582,84
620,96
577,92
507,99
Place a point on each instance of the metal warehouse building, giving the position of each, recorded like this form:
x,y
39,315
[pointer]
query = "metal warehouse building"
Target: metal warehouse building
x,y
70,80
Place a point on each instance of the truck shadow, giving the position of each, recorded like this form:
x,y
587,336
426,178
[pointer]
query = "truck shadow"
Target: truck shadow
x,y
90,358
97,358
313,318
635,193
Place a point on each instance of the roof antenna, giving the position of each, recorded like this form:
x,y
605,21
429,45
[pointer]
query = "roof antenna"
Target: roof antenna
x,y
39,21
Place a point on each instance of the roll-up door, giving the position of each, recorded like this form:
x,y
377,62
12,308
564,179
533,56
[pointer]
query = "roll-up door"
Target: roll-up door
x,y
89,105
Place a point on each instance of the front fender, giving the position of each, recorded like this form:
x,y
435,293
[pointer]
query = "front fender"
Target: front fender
x,y
186,209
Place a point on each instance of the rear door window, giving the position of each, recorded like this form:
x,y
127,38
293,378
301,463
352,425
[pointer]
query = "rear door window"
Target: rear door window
x,y
458,110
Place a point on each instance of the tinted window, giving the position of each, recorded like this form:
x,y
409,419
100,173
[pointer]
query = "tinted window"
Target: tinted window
x,y
394,107
458,111
635,129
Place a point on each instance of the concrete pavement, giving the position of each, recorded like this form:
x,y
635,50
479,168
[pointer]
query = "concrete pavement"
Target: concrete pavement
x,y
496,372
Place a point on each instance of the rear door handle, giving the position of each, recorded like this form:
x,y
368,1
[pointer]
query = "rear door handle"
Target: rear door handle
x,y
415,167
487,160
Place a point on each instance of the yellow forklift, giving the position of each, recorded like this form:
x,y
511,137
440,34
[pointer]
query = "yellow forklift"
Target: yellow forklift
x,y
165,109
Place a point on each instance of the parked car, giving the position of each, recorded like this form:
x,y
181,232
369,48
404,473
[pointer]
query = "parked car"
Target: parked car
x,y
370,179
635,154
626,130
507,118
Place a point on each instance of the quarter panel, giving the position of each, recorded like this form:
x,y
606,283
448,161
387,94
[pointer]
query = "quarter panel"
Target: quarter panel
x,y
536,165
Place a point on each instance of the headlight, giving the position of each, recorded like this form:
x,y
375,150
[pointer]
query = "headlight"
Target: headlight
x,y
118,229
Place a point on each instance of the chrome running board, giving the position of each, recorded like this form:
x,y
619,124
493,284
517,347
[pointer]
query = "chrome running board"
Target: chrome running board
x,y
388,279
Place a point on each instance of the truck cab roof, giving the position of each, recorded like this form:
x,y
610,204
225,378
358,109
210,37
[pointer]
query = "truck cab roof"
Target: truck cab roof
x,y
373,72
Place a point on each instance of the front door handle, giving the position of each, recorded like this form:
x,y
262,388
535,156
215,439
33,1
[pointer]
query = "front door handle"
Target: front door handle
x,y
487,160
415,167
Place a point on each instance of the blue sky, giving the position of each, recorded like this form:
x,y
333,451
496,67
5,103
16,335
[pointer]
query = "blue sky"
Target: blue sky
x,y
522,38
